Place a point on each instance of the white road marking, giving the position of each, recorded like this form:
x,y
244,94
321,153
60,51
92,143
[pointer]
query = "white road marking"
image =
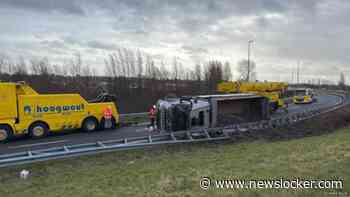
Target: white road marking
x,y
141,130
36,144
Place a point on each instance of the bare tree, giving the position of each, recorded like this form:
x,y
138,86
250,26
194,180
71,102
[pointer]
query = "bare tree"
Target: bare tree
x,y
111,66
156,74
191,75
139,64
198,76
242,69
9,66
93,71
40,67
120,62
341,82
58,70
198,72
227,75
86,71
213,74
164,73
148,66
34,66
20,67
175,70
65,67
2,63
181,71
132,63
76,65
126,62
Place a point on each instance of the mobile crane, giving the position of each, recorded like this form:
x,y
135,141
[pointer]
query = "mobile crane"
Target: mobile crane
x,y
271,90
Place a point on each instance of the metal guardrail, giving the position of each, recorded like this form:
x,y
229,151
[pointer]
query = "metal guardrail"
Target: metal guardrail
x,y
286,120
105,146
197,135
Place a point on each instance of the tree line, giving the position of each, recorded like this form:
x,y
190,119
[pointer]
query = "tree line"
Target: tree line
x,y
137,79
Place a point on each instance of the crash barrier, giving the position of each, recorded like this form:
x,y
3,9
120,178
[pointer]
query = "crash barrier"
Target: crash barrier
x,y
190,136
105,146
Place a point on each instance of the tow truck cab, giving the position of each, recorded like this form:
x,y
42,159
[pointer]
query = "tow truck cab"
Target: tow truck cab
x,y
303,96
24,111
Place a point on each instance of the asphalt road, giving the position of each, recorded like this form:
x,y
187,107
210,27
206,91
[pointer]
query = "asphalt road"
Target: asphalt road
x,y
322,101
25,144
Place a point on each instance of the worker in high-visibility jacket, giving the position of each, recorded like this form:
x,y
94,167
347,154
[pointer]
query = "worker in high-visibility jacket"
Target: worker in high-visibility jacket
x,y
152,115
108,114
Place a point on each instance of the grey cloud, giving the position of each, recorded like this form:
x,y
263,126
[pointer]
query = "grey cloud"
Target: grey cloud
x,y
262,21
191,16
313,30
194,50
71,40
53,44
66,6
101,45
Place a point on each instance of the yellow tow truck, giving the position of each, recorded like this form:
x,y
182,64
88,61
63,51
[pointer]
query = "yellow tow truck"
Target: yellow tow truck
x,y
303,96
25,112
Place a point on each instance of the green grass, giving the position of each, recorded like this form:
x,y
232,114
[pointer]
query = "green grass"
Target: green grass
x,y
135,119
176,170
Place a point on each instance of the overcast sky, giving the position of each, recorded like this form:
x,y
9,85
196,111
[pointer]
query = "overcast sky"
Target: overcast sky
x,y
285,31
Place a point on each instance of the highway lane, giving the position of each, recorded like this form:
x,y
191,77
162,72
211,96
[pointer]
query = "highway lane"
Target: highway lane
x,y
75,137
79,137
322,101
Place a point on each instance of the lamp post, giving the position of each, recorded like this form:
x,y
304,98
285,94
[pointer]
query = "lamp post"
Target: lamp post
x,y
249,43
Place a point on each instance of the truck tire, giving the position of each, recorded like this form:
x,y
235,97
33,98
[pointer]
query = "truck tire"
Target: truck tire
x,y
89,124
38,130
113,124
5,133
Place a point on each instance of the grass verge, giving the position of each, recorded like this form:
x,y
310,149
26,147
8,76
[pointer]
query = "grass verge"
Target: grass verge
x,y
134,120
176,170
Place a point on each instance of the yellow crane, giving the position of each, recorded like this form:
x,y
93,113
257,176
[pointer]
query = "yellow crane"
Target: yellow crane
x,y
271,90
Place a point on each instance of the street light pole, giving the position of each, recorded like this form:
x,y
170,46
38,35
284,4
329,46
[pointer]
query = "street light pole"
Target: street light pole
x,y
298,72
249,42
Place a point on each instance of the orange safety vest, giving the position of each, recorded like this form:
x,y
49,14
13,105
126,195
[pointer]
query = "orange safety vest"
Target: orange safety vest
x,y
152,113
107,113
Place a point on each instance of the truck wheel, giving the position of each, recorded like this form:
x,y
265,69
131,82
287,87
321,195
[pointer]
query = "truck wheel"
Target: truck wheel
x,y
38,130
106,125
5,133
90,124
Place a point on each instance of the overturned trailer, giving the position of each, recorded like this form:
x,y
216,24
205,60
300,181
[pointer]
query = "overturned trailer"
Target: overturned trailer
x,y
207,111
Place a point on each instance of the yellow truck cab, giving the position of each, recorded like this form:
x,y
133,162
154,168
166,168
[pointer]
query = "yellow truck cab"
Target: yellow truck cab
x,y
303,96
25,112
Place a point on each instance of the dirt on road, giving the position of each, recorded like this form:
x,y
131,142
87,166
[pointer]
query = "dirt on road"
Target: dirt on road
x,y
322,124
